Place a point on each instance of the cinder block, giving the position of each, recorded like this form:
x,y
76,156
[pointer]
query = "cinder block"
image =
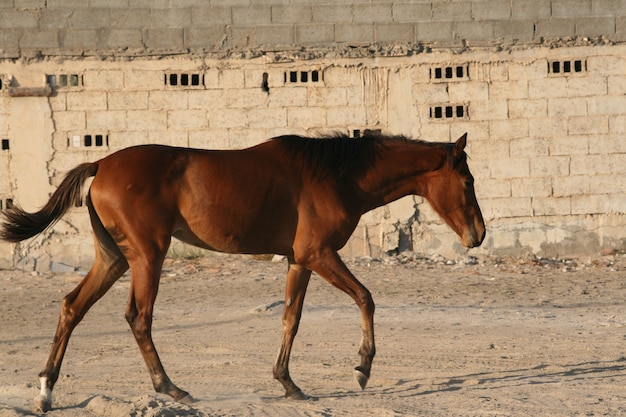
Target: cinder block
x,y
587,86
606,65
372,13
457,11
549,167
411,12
570,185
288,97
551,206
205,99
87,100
345,116
530,109
589,125
465,91
488,111
595,26
162,38
315,34
168,100
261,118
291,14
531,9
606,105
549,87
616,84
308,117
147,120
531,187
128,100
332,13
90,18
146,80
434,93
228,118
257,15
569,145
590,165
514,167
108,80
509,129
606,184
120,38
187,119
435,31
209,139
491,10
567,107
513,89
79,40
591,204
548,127
556,27
354,33
231,78
38,40
501,208
522,30
567,8
106,120
524,71
489,149
617,163
204,16
529,147
474,31
274,35
70,120
394,32
327,97
169,137
245,98
19,19
54,18
207,38
493,188
170,18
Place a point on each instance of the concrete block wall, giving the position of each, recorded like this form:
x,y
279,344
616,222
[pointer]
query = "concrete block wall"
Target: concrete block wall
x,y
539,87
146,28
546,135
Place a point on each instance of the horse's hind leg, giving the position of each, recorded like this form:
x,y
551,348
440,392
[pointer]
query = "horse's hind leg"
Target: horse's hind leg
x,y
109,265
297,282
146,272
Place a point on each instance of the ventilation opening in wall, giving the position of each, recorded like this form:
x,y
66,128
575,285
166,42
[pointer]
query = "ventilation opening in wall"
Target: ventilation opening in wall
x,y
359,133
88,141
303,77
65,80
6,203
458,111
183,80
450,73
567,67
5,144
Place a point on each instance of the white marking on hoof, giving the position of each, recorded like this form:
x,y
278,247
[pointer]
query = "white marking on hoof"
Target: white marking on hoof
x,y
44,400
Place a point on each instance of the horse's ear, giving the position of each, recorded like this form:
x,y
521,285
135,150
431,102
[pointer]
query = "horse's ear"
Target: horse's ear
x,y
459,146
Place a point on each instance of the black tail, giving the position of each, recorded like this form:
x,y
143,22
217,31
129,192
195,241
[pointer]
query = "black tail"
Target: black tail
x,y
20,225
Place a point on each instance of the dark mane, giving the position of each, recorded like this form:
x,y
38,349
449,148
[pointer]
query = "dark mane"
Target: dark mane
x,y
337,155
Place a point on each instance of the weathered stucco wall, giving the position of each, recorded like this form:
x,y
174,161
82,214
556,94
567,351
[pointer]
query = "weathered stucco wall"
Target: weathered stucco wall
x,y
541,97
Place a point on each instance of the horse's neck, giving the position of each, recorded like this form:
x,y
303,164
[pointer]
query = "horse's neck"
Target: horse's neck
x,y
399,171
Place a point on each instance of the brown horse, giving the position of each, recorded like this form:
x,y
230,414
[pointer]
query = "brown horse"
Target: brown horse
x,y
295,196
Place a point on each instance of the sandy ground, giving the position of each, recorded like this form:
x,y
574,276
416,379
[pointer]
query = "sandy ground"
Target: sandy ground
x,y
472,337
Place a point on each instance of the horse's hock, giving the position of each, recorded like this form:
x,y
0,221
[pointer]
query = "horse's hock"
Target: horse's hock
x,y
539,90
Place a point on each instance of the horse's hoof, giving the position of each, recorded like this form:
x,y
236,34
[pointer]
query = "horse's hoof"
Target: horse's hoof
x,y
361,378
43,403
297,395
187,400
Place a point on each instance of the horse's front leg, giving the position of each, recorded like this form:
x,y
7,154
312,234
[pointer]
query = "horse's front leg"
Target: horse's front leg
x,y
330,267
297,282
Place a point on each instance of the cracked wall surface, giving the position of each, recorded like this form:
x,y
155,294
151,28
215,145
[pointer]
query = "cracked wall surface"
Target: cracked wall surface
x,y
540,90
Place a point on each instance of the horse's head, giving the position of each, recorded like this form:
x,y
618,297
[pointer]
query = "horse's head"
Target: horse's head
x,y
451,194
